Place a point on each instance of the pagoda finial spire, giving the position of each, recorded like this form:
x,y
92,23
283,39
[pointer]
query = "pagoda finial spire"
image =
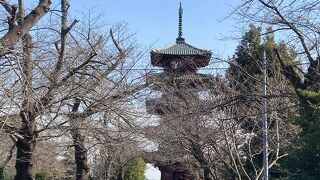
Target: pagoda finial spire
x,y
180,39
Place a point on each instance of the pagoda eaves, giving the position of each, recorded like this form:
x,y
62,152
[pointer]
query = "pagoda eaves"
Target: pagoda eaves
x,y
165,56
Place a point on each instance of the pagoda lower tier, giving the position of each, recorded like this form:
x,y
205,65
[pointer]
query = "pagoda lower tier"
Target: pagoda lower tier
x,y
165,106
164,80
171,156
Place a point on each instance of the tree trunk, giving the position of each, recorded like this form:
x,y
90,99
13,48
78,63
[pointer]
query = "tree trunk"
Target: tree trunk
x,y
199,156
120,174
80,155
27,143
107,164
25,150
206,173
24,165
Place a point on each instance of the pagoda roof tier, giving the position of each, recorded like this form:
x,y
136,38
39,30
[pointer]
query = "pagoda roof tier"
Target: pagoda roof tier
x,y
163,106
180,51
159,106
173,105
161,81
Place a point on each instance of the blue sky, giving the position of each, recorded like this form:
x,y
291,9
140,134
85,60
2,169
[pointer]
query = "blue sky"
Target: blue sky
x,y
156,22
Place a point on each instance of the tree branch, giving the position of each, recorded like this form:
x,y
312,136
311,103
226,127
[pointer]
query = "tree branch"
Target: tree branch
x,y
292,27
289,72
14,34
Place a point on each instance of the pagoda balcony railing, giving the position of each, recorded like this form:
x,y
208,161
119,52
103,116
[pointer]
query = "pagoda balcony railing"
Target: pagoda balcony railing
x,y
160,81
161,106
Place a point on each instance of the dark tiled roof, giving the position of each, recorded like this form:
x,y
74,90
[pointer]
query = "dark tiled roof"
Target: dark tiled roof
x,y
182,49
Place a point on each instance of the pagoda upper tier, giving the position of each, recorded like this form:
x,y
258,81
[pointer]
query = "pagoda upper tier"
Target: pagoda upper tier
x,y
180,56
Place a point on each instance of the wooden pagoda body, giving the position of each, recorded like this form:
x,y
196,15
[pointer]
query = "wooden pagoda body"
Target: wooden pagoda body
x,y
179,84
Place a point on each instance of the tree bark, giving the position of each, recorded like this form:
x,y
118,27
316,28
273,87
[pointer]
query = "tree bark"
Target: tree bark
x,y
120,174
199,156
27,142
80,152
206,173
16,32
25,150
80,155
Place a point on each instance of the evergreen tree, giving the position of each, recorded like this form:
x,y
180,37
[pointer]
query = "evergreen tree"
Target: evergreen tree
x,y
2,173
245,76
135,170
42,175
244,73
303,161
245,63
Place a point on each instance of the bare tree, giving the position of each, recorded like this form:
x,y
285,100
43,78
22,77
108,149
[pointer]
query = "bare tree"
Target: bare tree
x,y
61,80
17,28
103,91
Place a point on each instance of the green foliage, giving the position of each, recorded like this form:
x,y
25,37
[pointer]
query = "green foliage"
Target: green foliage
x,y
245,63
3,174
309,96
42,175
135,169
245,75
304,159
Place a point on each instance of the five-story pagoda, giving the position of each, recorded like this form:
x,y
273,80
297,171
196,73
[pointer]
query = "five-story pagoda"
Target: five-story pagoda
x,y
179,84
